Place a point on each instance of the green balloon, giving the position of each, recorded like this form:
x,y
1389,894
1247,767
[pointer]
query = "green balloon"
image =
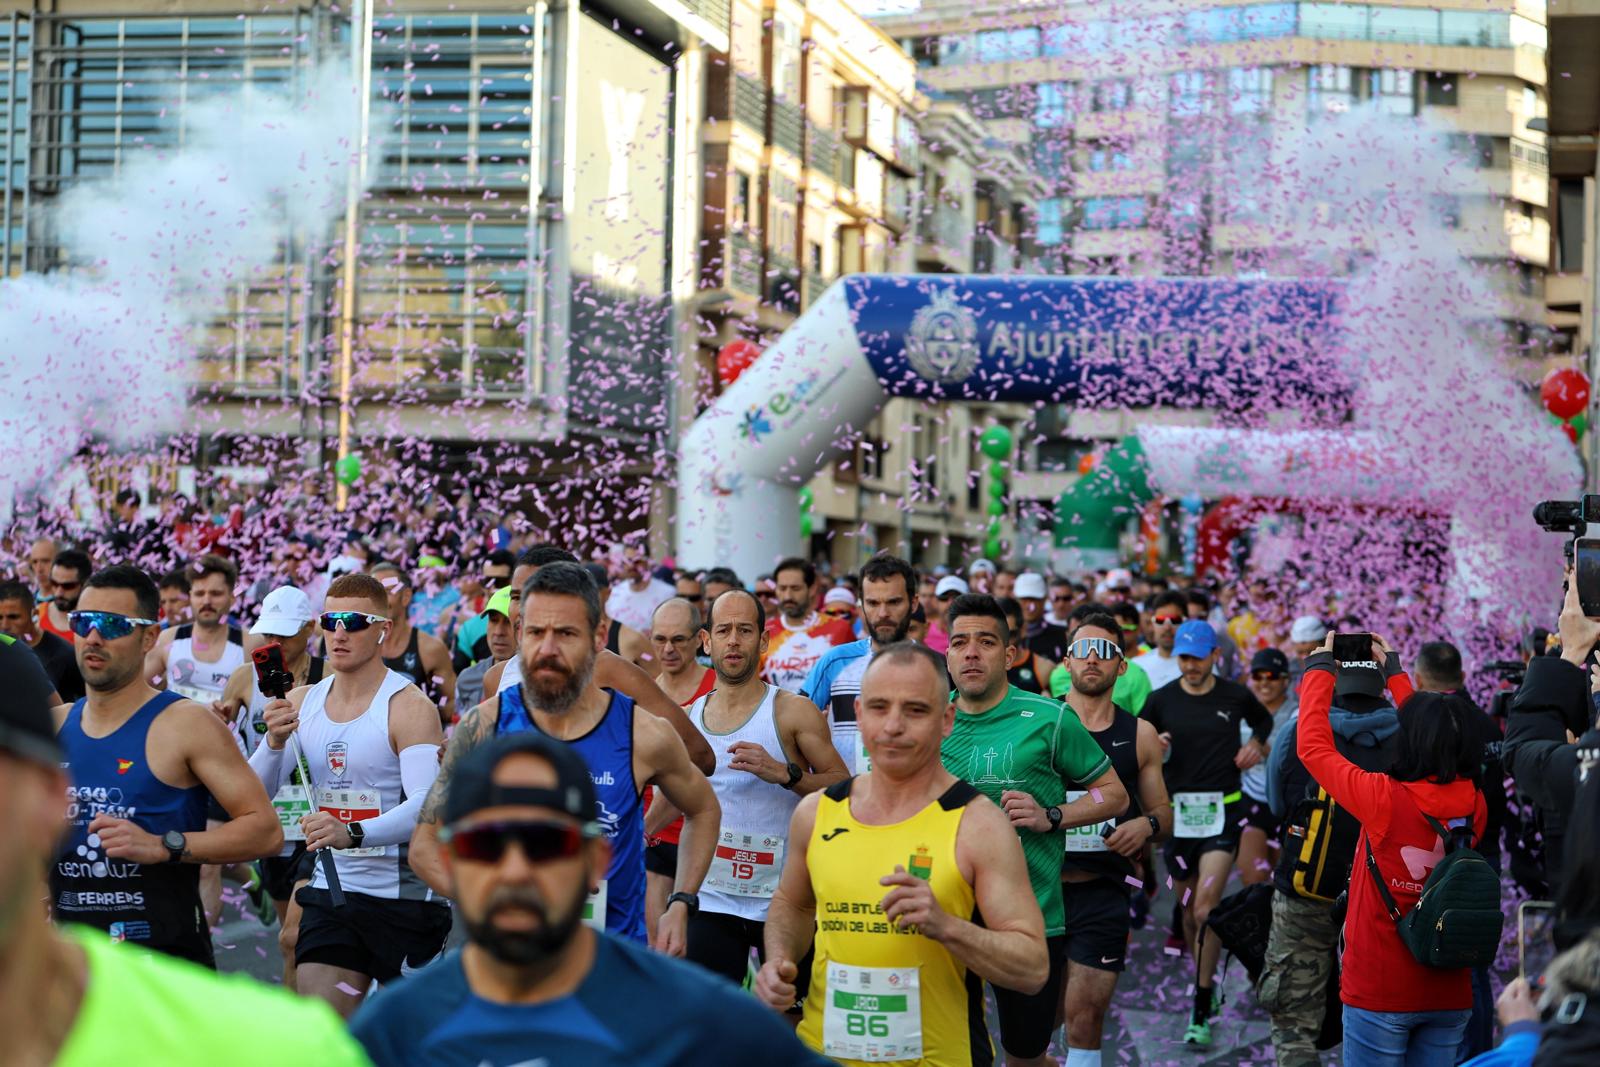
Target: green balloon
x,y
997,489
999,469
805,524
996,442
994,526
805,498
991,547
997,507
1580,422
348,469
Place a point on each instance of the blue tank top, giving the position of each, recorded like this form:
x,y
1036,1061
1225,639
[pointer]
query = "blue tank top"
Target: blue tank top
x,y
156,905
608,750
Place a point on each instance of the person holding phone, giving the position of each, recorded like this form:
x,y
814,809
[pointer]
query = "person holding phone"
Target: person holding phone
x,y
1396,1010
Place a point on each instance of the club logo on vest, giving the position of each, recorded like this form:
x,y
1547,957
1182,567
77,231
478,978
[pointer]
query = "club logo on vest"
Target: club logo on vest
x,y
942,341
337,753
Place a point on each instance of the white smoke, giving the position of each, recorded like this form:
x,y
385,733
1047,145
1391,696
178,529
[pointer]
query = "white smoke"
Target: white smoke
x,y
104,349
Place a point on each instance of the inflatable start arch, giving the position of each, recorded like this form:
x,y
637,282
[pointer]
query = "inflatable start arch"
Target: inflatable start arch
x,y
1091,342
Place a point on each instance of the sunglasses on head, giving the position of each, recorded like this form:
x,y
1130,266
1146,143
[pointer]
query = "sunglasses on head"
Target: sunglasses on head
x,y
109,623
352,621
1101,647
540,841
1265,676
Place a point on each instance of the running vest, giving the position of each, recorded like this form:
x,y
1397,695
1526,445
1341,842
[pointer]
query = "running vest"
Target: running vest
x,y
191,677
409,663
1086,845
755,817
355,777
614,637
608,750
1025,675
156,905
878,995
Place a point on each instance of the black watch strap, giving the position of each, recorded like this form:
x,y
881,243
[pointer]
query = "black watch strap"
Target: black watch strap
x,y
357,834
690,901
795,774
1155,825
1053,813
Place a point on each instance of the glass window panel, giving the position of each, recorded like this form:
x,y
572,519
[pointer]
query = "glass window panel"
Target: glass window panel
x,y
1344,21
1406,25
1050,230
1474,29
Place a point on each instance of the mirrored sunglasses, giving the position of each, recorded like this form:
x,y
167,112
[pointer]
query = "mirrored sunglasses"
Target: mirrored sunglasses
x,y
1100,647
351,621
110,625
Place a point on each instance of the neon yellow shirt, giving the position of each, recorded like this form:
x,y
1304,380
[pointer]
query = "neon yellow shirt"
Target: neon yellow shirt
x,y
143,1008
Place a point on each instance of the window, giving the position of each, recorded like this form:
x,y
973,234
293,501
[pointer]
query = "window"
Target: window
x,y
1340,21
1479,149
955,49
786,59
1447,211
1249,91
1255,22
1529,154
1057,41
1050,158
1474,29
1051,106
1394,91
1114,95
1441,89
739,210
1005,46
1404,25
1331,89
1189,93
1049,226
1113,212
1100,157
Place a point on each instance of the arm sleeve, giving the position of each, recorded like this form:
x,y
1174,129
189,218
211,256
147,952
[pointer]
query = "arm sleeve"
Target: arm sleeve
x,y
268,765
419,766
1536,752
1259,718
1360,792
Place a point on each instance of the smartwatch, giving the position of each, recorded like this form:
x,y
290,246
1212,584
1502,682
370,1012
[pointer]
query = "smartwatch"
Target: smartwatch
x,y
690,900
795,774
357,834
175,842
1053,813
1155,826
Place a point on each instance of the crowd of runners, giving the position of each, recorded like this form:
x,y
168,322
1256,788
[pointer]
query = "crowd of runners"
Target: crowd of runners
x,y
916,814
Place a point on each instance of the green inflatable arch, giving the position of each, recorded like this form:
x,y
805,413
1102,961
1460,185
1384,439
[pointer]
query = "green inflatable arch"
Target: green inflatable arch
x,y
1092,514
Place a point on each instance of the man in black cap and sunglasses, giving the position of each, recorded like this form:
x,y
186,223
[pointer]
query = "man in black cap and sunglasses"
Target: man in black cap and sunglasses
x,y
523,849
144,764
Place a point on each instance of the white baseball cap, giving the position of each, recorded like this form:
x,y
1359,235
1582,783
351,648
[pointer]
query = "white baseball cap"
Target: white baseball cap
x,y
952,583
1030,586
839,595
284,611
1119,578
981,565
1308,628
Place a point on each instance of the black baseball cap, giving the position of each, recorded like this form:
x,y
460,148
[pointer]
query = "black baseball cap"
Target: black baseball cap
x,y
1270,659
472,787
26,726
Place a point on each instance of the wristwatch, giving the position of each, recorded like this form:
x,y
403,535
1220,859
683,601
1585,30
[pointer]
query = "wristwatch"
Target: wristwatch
x,y
175,842
1053,813
1155,826
357,834
795,774
690,900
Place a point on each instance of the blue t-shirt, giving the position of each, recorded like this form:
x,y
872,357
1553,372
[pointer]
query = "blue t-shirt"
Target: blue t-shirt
x,y
635,1008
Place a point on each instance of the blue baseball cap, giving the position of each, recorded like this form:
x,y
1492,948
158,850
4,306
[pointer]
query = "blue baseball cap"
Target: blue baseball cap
x,y
1195,638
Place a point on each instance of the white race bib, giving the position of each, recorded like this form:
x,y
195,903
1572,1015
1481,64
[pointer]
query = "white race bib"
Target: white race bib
x,y
746,865
872,1014
1089,838
204,697
594,908
351,804
291,804
1198,814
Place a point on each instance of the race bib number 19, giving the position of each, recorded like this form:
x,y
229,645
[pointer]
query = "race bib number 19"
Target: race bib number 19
x,y
746,865
872,1014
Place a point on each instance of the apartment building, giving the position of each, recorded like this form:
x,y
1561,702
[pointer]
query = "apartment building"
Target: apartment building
x,y
1572,288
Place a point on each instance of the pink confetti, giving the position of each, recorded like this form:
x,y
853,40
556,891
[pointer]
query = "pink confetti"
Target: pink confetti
x,y
347,989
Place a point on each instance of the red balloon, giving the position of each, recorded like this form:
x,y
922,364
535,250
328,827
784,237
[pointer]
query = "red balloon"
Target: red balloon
x,y
735,358
1571,431
1565,392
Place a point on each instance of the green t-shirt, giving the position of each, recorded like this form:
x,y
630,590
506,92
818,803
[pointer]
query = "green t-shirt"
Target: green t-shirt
x,y
1031,744
142,1008
1131,691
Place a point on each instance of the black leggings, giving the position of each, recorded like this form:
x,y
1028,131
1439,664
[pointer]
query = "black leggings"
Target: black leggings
x,y
721,944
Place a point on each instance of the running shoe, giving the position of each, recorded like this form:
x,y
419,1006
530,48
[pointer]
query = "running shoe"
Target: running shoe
x,y
1198,1034
256,891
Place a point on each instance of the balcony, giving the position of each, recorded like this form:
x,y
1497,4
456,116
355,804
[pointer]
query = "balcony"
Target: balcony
x,y
992,254
947,228
1530,238
788,126
782,290
822,150
750,103
1564,290
743,270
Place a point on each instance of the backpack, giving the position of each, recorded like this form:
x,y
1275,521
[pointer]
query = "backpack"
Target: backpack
x,y
1328,834
1457,920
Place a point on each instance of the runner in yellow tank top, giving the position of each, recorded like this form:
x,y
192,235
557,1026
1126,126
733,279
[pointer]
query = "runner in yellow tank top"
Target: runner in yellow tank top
x,y
890,866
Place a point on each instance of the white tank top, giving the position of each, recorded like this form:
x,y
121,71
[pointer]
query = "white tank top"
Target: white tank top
x,y
755,817
511,677
195,678
355,777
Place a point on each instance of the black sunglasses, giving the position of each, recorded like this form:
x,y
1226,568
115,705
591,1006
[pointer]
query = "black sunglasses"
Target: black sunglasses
x,y
540,841
1265,676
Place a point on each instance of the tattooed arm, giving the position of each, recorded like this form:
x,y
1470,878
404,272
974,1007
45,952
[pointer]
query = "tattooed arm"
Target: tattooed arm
x,y
476,727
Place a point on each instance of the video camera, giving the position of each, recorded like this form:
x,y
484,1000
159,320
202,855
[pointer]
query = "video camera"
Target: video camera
x,y
1582,553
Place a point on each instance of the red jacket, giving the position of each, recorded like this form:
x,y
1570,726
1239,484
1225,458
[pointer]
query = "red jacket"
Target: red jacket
x,y
1379,972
